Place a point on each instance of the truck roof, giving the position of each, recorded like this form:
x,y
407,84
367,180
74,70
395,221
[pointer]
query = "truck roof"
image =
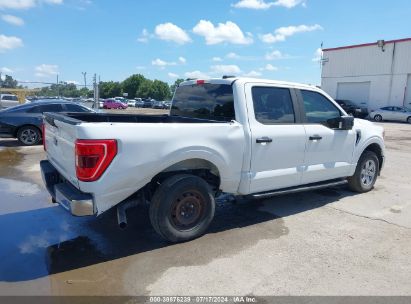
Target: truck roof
x,y
230,80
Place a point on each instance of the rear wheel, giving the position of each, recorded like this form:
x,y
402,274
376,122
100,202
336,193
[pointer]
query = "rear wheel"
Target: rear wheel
x,y
409,119
365,174
182,208
29,135
378,117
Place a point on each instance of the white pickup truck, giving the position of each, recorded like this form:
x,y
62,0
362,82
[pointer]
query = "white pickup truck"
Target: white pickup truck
x,y
247,137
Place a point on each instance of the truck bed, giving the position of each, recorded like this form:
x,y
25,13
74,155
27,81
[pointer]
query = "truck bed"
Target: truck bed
x,y
77,118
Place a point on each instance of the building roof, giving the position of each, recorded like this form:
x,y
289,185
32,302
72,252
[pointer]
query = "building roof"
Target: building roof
x,y
365,44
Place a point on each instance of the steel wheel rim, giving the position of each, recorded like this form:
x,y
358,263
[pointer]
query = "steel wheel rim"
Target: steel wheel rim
x,y
187,210
29,136
368,173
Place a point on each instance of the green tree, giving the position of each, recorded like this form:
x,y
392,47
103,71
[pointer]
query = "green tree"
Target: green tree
x,y
132,84
161,90
85,92
110,89
146,89
8,82
174,86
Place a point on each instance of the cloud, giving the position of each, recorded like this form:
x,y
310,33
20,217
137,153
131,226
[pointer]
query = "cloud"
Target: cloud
x,y
53,1
282,33
144,36
6,70
161,63
13,20
318,54
275,55
182,60
263,5
25,4
9,42
72,82
173,75
171,32
226,69
217,59
228,32
269,67
252,74
46,70
232,56
196,74
289,3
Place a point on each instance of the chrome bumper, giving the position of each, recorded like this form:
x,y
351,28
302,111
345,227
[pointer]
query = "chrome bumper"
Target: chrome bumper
x,y
66,195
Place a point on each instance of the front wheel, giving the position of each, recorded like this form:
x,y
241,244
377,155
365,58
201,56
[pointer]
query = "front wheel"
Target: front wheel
x,y
365,174
409,120
182,208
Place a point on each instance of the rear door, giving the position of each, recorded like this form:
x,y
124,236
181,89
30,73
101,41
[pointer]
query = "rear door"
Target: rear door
x,y
278,141
328,150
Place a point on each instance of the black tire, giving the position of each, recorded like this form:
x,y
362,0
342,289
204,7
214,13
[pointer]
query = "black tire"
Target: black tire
x,y
182,208
378,117
409,120
368,165
29,136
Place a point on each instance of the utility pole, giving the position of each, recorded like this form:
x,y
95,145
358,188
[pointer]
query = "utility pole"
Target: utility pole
x,y
95,91
58,87
85,78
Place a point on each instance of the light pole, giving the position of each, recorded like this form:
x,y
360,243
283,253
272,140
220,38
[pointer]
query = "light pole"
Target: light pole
x,y
85,78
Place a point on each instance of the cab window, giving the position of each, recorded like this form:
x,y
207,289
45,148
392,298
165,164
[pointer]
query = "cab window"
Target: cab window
x,y
273,105
319,109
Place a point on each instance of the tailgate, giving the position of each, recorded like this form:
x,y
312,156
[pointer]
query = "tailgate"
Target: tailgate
x,y
60,136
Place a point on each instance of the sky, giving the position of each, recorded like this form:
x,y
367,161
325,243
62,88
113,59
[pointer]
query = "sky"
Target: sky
x,y
170,39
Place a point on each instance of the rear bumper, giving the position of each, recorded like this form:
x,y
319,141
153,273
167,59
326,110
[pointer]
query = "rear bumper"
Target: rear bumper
x,y
65,194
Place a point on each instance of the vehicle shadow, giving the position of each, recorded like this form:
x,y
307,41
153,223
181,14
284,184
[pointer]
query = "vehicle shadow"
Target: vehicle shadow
x,y
10,142
49,240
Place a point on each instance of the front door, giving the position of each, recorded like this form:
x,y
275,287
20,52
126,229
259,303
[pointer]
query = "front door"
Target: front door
x,y
278,143
329,151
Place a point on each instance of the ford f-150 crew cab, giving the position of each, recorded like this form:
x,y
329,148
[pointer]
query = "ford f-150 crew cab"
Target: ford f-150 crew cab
x,y
247,137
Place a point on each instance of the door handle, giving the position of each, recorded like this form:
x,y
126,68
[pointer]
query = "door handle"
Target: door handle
x,y
315,137
264,139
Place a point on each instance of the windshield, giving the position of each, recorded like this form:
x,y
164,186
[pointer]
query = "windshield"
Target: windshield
x,y
206,101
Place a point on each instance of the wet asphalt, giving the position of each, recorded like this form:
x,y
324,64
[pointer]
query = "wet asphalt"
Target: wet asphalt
x,y
327,242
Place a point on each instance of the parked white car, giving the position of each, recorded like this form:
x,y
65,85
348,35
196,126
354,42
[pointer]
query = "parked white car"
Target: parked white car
x,y
392,113
131,103
8,100
248,137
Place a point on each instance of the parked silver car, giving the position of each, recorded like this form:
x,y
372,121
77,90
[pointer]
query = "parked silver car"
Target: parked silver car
x,y
392,113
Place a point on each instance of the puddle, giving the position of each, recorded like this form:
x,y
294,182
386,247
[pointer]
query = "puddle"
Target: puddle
x,y
9,159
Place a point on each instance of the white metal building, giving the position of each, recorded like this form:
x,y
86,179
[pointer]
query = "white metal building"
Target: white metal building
x,y
373,74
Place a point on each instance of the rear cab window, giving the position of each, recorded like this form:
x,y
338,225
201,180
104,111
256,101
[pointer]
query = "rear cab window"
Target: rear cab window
x,y
204,101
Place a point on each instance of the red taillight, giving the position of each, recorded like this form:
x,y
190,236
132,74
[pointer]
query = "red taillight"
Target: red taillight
x,y
43,136
200,81
93,157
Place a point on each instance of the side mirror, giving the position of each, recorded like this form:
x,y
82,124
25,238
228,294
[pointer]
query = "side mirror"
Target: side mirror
x,y
346,123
